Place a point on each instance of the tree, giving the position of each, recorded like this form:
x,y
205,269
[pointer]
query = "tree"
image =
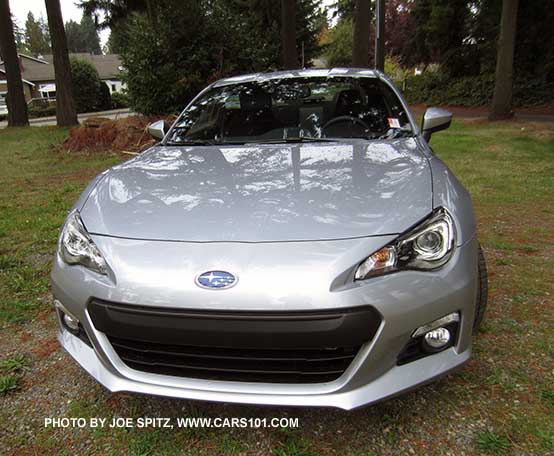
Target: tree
x,y
65,106
19,36
502,98
119,37
360,37
37,38
90,34
217,38
17,107
440,35
82,37
398,14
338,51
288,34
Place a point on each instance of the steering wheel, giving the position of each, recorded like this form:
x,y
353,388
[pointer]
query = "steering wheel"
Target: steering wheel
x,y
342,119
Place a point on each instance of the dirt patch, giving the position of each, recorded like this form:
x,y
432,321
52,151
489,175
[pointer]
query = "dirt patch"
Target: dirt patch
x,y
99,134
46,348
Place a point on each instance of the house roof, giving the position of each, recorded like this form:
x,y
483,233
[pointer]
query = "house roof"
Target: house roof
x,y
42,68
24,80
109,66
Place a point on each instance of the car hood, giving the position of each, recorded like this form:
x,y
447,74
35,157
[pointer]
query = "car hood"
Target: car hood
x,y
262,193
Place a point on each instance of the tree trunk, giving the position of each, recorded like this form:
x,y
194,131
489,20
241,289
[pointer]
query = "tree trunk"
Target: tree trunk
x,y
380,35
360,45
17,106
288,34
502,98
65,106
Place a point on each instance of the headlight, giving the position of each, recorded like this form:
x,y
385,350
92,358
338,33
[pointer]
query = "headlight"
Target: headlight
x,y
77,247
427,246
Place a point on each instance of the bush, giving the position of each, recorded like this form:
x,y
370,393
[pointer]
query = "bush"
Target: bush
x,y
104,97
89,92
120,100
42,110
436,88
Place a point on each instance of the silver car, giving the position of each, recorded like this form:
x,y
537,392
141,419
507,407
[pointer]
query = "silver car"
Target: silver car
x,y
291,240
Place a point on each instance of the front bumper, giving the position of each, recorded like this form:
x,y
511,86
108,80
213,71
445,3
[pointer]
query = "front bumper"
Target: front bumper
x,y
404,300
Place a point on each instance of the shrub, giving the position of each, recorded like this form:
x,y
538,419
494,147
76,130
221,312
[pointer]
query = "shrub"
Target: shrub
x,y
104,98
120,100
42,110
89,92
436,88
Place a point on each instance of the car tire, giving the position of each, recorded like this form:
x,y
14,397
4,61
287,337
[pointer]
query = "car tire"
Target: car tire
x,y
482,290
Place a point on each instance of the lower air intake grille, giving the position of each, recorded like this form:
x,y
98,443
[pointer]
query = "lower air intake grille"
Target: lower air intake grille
x,y
271,347
237,364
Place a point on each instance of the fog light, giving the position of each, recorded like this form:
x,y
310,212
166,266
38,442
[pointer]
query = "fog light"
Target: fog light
x,y
437,338
71,322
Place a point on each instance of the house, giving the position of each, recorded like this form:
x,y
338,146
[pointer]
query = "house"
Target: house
x,y
39,80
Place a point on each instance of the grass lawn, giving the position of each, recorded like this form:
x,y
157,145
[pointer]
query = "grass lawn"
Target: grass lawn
x,y
501,402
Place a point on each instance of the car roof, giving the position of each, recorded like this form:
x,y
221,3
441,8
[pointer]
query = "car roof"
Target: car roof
x,y
302,73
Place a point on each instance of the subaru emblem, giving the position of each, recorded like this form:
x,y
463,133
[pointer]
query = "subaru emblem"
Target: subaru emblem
x,y
216,280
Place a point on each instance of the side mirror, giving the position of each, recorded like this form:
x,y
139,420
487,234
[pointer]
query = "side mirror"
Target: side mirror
x,y
158,129
435,119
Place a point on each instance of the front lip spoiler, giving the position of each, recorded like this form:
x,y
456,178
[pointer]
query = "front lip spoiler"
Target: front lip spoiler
x,y
395,381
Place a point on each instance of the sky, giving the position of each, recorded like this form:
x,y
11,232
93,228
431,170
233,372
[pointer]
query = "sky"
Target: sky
x,y
20,9
70,10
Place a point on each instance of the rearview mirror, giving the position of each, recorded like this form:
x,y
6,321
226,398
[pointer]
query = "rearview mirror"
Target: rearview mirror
x,y
435,119
158,129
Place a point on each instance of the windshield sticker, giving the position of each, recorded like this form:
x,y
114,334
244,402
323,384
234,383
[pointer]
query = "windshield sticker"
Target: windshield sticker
x,y
393,122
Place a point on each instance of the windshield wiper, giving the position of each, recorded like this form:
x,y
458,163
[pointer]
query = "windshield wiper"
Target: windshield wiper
x,y
290,140
191,142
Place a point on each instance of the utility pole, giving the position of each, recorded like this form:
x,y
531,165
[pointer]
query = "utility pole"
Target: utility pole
x,y
360,37
380,35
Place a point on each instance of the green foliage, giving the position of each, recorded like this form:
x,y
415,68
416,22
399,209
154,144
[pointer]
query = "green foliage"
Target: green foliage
x,y
8,383
339,50
89,92
119,37
439,88
120,100
37,38
82,37
171,49
14,364
104,97
42,110
439,33
492,443
534,47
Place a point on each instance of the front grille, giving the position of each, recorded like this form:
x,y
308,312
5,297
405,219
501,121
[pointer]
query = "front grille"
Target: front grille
x,y
237,364
271,347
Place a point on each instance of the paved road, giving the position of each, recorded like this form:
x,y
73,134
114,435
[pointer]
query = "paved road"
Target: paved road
x,y
113,114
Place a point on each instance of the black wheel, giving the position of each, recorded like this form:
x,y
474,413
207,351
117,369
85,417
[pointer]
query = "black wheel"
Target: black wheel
x,y
482,291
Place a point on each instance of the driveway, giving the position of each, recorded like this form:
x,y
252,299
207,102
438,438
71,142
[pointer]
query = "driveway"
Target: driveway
x,y
43,121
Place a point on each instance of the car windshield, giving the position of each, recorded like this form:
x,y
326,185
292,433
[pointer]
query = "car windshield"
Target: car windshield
x,y
293,109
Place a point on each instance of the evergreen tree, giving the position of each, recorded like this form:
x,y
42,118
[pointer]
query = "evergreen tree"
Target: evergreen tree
x,y
83,36
37,38
90,34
